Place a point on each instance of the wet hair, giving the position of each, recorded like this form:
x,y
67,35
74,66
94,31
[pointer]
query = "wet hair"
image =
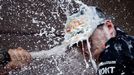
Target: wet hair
x,y
101,15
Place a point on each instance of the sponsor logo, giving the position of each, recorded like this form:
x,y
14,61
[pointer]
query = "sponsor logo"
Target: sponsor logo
x,y
106,67
106,70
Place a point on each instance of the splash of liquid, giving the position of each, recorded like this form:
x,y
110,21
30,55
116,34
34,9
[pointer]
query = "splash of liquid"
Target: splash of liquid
x,y
60,50
91,57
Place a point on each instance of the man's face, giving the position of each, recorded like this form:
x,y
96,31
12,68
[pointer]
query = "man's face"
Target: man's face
x,y
98,40
100,36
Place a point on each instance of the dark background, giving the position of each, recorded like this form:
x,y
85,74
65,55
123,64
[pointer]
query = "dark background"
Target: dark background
x,y
22,20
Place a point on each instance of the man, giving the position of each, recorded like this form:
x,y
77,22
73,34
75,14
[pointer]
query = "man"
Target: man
x,y
13,59
112,49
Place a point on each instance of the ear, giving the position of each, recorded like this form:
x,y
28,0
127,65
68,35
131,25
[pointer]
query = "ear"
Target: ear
x,y
110,26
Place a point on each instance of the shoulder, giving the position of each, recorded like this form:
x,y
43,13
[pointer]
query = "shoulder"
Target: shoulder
x,y
120,46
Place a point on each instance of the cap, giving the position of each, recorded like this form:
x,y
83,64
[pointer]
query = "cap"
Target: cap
x,y
82,24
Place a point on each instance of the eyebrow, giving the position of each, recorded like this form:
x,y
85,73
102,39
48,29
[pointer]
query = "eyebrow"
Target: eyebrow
x,y
100,25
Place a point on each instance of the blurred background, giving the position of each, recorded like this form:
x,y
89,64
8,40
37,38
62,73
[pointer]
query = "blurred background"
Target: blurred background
x,y
23,21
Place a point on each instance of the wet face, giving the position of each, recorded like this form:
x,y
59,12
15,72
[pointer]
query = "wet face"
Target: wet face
x,y
100,36
98,40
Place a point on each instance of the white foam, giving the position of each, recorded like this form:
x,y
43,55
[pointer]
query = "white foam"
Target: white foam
x,y
87,19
